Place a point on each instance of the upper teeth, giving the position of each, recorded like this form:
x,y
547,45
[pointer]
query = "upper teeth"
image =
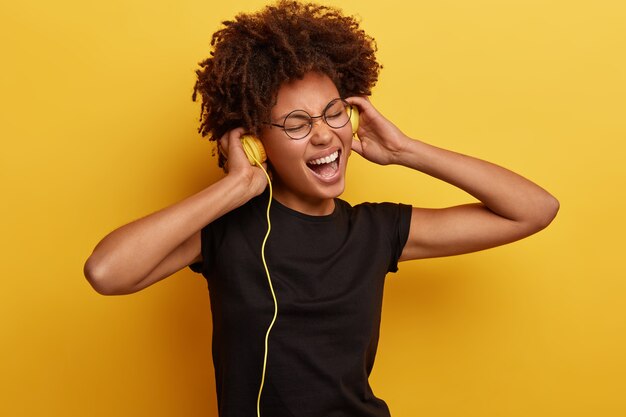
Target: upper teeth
x,y
326,160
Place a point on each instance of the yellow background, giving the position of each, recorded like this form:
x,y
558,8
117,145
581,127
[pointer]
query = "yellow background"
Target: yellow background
x,y
98,128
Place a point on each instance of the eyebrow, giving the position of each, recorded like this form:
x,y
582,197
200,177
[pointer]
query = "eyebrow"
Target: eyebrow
x,y
300,116
282,116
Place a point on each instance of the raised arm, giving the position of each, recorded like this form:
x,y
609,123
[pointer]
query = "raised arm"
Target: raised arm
x,y
511,207
149,249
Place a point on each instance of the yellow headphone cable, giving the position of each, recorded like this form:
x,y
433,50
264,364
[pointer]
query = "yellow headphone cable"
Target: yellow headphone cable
x,y
269,280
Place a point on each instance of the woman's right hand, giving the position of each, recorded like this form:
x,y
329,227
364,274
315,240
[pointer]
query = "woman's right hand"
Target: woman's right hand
x,y
238,166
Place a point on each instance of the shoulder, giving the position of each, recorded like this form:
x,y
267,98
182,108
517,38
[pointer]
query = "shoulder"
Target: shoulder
x,y
393,219
243,220
376,210
381,227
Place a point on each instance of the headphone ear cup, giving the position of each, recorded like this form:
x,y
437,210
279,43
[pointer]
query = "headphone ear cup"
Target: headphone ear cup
x,y
354,119
253,148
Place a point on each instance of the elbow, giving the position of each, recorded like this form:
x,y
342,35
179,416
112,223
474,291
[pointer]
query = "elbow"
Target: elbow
x,y
100,279
547,210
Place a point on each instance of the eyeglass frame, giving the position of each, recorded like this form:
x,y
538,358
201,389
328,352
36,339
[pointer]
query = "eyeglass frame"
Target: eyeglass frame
x,y
311,118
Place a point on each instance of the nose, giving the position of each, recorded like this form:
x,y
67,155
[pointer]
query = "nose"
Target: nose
x,y
321,133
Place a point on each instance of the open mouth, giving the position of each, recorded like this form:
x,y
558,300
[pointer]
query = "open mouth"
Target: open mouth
x,y
325,167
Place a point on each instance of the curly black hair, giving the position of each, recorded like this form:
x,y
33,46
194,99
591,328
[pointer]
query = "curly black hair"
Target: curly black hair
x,y
254,54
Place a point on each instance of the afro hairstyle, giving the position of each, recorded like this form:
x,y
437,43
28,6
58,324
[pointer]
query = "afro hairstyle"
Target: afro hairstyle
x,y
254,54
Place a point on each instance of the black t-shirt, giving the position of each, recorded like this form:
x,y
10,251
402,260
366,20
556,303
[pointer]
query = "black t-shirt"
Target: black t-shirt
x,y
328,275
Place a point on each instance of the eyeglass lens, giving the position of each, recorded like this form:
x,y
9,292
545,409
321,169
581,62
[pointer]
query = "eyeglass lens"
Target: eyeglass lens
x,y
299,123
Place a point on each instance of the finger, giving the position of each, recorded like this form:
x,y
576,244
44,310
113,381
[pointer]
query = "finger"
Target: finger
x,y
220,148
223,144
357,146
362,103
233,138
229,144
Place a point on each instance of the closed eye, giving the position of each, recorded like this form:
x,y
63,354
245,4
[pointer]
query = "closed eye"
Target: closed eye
x,y
297,128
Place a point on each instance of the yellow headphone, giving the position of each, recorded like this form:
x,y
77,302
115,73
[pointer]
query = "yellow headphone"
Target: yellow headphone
x,y
254,149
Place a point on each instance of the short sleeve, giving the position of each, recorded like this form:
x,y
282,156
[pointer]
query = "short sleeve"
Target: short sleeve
x,y
202,267
196,267
386,227
399,233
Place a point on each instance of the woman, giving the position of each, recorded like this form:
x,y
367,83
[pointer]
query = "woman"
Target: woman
x,y
291,75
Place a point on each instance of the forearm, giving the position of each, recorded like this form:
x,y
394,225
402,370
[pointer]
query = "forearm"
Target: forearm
x,y
511,207
502,191
128,254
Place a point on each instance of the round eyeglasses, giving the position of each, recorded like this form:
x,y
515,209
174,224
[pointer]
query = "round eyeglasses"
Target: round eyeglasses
x,y
299,123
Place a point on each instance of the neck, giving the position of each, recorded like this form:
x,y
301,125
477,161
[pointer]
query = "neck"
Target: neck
x,y
309,206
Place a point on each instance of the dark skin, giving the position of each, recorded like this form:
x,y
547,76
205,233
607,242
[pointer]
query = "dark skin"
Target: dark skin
x,y
255,53
149,249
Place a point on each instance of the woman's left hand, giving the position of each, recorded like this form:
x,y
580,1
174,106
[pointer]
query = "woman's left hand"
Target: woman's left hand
x,y
380,141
